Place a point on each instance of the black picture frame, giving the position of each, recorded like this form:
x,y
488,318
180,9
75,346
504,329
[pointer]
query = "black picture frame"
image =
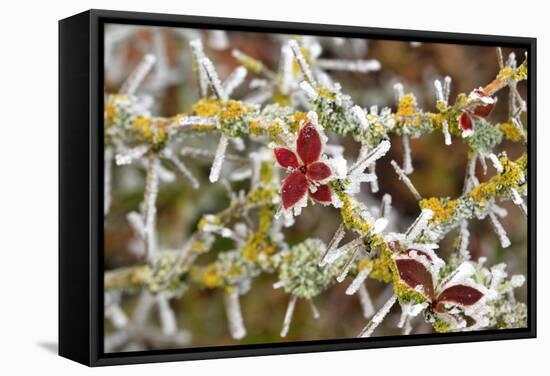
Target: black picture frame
x,y
80,176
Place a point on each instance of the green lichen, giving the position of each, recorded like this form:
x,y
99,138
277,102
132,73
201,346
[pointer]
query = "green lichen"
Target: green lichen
x,y
442,326
485,137
300,270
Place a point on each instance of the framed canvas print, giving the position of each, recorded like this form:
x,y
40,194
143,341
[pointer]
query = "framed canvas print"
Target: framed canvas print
x,y
240,187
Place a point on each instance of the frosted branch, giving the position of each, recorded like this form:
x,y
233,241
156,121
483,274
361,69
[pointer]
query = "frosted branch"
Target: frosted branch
x,y
181,167
234,315
304,66
407,159
129,155
499,230
398,91
419,224
150,209
366,301
235,79
334,242
446,88
288,315
378,317
404,178
167,316
213,79
314,311
138,75
358,281
446,133
335,254
218,159
360,66
198,54
107,174
386,206
378,152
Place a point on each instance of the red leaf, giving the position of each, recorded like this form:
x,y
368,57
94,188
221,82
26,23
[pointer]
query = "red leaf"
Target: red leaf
x,y
294,188
318,171
460,294
484,110
322,194
286,158
465,121
308,144
413,273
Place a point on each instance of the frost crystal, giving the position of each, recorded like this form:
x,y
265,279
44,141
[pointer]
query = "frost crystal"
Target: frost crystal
x,y
366,302
218,159
234,315
235,79
336,253
407,159
182,168
150,212
304,66
288,315
500,231
138,75
358,281
167,316
107,174
130,155
403,177
361,66
378,317
333,244
419,224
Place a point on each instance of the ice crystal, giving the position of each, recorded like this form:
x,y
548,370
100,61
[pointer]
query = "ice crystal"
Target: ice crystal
x,y
138,75
378,317
234,315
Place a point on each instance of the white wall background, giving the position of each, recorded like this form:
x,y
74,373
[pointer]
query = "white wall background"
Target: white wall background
x,y
28,186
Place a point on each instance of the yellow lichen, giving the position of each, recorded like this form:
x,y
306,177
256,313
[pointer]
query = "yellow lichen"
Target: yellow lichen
x,y
110,113
211,277
511,131
266,173
198,246
142,125
254,127
511,177
441,326
325,93
232,110
351,215
520,73
382,266
443,211
250,63
363,264
406,106
406,294
483,192
280,98
298,118
207,107
296,65
509,73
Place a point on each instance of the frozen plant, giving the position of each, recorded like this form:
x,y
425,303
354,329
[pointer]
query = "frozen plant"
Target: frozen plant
x,y
280,142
